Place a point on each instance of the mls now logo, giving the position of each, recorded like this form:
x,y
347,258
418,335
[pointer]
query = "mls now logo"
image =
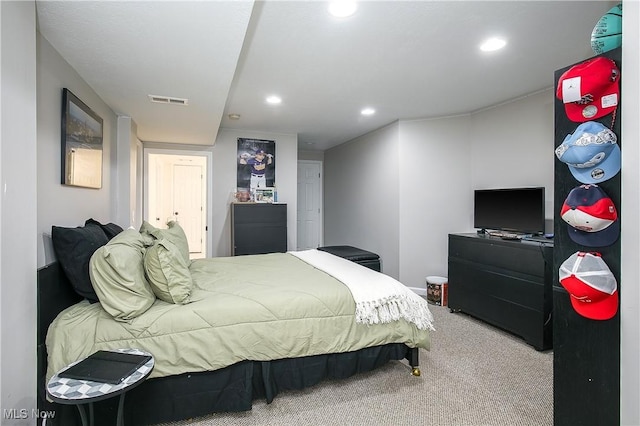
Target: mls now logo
x,y
23,413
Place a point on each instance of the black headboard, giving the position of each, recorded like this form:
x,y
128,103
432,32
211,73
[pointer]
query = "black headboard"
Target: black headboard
x,y
55,294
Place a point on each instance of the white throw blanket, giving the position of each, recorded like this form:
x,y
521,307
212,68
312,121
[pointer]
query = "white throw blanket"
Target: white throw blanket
x,y
378,297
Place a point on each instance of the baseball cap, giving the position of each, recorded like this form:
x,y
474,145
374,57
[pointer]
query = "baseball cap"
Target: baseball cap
x,y
259,151
591,216
590,89
592,288
591,152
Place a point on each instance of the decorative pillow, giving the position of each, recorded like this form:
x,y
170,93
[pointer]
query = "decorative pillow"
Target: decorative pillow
x,y
168,272
145,232
73,248
110,229
117,274
173,233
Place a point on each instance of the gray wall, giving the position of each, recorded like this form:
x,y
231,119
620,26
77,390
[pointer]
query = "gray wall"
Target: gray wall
x,y
58,204
126,190
225,163
512,145
361,196
431,167
435,200
18,208
20,230
311,155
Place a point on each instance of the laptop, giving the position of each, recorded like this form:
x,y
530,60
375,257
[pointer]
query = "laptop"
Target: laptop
x,y
106,366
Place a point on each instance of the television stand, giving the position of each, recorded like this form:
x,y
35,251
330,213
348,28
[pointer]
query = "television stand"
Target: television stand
x,y
505,283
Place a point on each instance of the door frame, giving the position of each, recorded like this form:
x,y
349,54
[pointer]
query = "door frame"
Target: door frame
x,y
320,200
208,182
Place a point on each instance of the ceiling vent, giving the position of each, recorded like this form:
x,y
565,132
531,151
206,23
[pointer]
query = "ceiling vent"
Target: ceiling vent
x,y
168,100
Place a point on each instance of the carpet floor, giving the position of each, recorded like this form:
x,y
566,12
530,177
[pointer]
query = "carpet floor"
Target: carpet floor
x,y
474,374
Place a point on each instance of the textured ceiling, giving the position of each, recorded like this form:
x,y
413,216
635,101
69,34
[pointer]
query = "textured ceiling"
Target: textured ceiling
x,y
408,60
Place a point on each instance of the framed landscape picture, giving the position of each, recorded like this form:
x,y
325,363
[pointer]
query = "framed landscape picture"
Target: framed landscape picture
x,y
81,143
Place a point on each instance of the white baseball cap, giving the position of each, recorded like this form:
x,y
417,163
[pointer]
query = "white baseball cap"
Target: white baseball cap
x,y
592,288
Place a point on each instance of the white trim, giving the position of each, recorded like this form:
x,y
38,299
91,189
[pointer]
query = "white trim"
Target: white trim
x,y
418,290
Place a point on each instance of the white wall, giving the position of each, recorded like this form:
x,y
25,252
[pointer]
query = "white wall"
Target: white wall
x,y
435,194
18,209
362,195
59,204
630,208
225,163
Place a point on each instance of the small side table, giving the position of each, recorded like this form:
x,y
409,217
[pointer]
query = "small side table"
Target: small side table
x,y
80,392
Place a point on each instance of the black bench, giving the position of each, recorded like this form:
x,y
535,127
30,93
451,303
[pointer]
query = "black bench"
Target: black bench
x,y
354,254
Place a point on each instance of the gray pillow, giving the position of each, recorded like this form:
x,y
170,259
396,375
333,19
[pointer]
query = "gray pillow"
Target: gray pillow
x,y
117,274
168,273
74,248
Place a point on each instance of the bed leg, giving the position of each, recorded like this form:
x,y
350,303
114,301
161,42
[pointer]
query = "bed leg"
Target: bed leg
x,y
412,357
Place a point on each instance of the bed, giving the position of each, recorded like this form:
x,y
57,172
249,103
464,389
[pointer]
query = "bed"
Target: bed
x,y
241,328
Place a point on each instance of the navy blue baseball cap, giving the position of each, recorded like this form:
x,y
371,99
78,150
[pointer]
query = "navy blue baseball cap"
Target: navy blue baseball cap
x,y
591,152
592,218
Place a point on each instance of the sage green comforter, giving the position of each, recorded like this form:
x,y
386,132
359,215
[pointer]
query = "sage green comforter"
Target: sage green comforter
x,y
260,307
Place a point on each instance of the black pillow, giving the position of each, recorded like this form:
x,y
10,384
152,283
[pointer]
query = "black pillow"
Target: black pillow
x,y
110,229
73,248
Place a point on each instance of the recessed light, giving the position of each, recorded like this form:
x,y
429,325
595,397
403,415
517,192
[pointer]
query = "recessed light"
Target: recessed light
x,y
342,8
368,111
274,100
493,44
234,116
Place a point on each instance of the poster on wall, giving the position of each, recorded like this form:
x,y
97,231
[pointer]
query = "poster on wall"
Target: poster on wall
x,y
256,166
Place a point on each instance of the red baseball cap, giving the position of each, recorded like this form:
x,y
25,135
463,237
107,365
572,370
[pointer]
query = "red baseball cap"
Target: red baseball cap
x,y
591,216
592,288
590,89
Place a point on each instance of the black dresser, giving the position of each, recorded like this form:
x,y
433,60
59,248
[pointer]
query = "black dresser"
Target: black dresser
x,y
505,283
258,228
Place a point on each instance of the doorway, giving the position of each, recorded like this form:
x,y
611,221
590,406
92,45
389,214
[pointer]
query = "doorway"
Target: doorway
x,y
309,204
176,188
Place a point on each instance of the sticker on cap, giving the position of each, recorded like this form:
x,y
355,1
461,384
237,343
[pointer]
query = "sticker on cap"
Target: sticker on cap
x,y
609,101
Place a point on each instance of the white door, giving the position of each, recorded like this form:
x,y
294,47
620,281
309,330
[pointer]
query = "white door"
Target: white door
x,y
188,203
177,190
309,204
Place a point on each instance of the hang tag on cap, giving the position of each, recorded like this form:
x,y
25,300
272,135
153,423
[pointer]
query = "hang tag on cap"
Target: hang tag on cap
x,y
571,90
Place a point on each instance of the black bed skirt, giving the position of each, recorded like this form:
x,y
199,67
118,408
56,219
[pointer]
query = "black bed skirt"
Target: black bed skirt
x,y
230,389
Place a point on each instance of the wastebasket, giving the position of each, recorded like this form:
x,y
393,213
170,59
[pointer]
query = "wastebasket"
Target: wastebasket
x,y
437,290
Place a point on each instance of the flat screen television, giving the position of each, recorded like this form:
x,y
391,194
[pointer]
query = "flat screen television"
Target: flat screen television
x,y
519,210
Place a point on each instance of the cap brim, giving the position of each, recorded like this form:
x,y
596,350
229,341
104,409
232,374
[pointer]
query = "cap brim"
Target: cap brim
x,y
602,310
605,170
576,112
606,237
